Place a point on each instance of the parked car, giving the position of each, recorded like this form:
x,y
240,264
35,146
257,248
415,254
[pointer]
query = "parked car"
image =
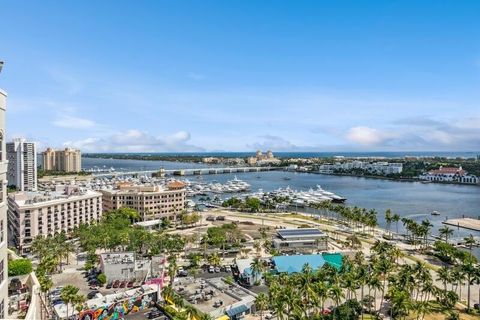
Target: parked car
x,y
116,283
130,284
57,302
210,218
182,272
109,285
92,294
211,269
228,269
155,313
217,269
123,284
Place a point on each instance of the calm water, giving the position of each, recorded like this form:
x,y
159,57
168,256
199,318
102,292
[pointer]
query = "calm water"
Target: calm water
x,y
412,199
464,154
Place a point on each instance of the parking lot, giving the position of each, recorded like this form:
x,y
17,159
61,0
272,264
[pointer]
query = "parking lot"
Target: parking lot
x,y
76,277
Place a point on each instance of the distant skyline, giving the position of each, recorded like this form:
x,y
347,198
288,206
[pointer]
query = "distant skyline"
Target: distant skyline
x,y
184,76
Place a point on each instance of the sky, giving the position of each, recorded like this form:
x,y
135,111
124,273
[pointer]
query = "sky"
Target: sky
x,y
241,75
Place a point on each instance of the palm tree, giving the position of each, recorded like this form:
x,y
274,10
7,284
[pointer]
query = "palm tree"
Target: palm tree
x,y
445,232
261,303
257,267
388,219
396,219
468,270
68,294
444,276
470,242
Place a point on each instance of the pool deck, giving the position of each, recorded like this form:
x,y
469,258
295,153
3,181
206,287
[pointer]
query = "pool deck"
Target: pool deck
x,y
466,223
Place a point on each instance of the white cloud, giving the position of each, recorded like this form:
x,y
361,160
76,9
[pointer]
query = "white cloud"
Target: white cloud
x,y
367,136
68,121
136,141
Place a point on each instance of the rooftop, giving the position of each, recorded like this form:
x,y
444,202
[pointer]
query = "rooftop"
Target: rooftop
x,y
300,233
118,258
213,296
61,193
295,263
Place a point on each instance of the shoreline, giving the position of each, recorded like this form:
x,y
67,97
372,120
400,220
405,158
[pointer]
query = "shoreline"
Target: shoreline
x,y
397,179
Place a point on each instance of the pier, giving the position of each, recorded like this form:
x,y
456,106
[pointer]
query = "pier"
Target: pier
x,y
186,172
465,223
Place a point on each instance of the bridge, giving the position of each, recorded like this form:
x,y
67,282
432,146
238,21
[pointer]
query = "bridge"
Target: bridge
x,y
186,172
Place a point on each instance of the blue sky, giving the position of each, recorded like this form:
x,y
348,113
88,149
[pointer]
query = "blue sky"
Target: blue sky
x,y
242,75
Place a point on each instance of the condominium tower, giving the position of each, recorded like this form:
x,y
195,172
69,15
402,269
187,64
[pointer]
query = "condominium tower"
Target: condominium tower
x,y
31,214
3,207
68,160
22,165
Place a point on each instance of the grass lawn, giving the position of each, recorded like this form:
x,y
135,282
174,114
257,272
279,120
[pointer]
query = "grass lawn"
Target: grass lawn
x,y
437,314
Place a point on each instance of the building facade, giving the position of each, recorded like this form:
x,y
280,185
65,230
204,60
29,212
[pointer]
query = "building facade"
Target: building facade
x,y
151,202
300,240
31,214
68,160
450,174
3,208
22,165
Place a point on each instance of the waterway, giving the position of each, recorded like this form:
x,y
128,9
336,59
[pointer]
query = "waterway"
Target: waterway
x,y
409,199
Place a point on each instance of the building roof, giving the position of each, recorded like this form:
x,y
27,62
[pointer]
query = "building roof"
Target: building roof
x,y
300,233
295,263
34,198
237,310
244,265
448,170
176,185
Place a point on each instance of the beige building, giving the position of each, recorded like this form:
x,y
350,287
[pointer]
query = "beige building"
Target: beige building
x,y
3,207
68,160
31,214
152,202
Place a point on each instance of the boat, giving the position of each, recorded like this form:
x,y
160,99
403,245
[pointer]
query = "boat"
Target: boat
x,y
287,178
435,213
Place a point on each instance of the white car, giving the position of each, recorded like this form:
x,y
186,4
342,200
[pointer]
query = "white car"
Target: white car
x,y
228,269
211,269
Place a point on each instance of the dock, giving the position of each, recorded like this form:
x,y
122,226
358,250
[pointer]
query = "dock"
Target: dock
x,y
466,223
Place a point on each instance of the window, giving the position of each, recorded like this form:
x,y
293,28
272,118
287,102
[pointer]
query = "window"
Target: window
x,y
2,270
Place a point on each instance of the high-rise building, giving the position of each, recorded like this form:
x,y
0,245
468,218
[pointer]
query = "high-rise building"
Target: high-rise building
x,y
3,207
68,160
22,165
31,214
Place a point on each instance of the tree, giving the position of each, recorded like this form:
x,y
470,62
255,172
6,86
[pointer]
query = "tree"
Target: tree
x,y
261,303
19,267
257,267
68,294
445,232
102,278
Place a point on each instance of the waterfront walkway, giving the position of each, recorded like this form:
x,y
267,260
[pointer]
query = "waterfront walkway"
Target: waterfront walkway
x,y
466,223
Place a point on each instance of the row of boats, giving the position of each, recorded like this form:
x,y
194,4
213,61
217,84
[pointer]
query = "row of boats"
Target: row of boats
x,y
306,198
232,186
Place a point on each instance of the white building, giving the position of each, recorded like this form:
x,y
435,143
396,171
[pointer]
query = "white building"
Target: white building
x,y
450,174
31,214
124,266
302,239
3,207
22,165
383,167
